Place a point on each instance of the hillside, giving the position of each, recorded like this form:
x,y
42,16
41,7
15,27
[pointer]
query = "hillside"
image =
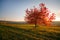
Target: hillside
x,y
16,31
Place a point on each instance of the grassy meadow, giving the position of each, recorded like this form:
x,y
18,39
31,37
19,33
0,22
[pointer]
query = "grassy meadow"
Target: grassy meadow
x,y
18,31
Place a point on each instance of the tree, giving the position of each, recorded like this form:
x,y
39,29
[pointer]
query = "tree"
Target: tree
x,y
39,16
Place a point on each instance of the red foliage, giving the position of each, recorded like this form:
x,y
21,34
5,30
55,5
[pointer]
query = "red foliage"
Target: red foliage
x,y
39,16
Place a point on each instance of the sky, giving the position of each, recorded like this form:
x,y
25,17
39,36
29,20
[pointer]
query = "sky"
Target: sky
x,y
14,10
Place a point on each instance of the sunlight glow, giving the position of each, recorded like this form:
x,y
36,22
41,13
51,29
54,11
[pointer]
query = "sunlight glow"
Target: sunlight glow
x,y
57,19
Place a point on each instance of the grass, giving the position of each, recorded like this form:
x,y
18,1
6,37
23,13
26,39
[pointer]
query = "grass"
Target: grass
x,y
26,32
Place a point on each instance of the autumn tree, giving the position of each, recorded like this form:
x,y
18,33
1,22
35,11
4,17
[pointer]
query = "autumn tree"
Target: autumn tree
x,y
39,16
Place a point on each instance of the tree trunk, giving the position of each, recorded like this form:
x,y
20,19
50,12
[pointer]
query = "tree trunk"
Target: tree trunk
x,y
35,23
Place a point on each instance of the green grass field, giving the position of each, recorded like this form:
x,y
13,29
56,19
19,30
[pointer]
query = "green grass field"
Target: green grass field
x,y
27,32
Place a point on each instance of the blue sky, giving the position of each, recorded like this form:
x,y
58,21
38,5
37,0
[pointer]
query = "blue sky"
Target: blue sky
x,y
14,10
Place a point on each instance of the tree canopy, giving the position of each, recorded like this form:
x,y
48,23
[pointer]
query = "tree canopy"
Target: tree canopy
x,y
39,16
